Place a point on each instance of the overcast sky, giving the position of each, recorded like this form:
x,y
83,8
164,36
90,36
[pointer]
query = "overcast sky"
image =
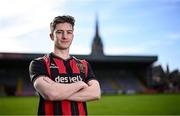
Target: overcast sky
x,y
127,27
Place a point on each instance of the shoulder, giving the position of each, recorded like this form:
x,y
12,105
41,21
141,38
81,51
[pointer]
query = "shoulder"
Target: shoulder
x,y
38,60
80,60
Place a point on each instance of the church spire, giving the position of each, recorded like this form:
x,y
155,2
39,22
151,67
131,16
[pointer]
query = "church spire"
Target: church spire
x,y
97,45
97,28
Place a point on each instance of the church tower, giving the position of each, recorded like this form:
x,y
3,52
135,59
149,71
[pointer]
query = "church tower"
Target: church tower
x,y
97,45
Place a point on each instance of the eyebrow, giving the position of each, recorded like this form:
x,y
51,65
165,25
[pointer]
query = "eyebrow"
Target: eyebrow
x,y
64,30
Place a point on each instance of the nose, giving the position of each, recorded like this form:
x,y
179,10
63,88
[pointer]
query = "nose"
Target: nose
x,y
64,34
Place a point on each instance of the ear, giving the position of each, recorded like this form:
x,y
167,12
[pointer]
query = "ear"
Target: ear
x,y
51,36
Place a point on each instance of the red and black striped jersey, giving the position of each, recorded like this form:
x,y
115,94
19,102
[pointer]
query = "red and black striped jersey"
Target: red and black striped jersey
x,y
61,71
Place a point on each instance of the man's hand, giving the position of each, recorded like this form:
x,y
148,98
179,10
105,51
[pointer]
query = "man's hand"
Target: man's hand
x,y
83,84
92,92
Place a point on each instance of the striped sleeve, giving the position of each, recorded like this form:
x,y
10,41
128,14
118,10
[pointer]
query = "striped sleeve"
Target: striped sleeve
x,y
37,68
90,73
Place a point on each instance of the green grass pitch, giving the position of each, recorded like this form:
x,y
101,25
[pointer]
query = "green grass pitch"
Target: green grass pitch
x,y
159,104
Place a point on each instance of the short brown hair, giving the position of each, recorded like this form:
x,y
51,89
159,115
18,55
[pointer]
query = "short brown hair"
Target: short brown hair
x,y
62,19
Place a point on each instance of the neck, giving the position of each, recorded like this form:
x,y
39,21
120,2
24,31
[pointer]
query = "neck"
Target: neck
x,y
64,54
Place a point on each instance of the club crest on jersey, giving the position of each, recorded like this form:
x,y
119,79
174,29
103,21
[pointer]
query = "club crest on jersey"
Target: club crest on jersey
x,y
81,67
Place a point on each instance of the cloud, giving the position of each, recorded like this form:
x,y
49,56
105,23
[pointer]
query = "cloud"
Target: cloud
x,y
26,16
174,36
76,49
22,17
124,50
12,45
149,46
17,7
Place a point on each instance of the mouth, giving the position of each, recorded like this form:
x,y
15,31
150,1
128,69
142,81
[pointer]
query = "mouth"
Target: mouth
x,y
65,41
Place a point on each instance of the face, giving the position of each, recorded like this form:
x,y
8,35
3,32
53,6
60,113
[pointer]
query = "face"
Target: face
x,y
62,36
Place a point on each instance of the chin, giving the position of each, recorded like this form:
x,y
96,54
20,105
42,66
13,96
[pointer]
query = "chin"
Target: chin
x,y
64,48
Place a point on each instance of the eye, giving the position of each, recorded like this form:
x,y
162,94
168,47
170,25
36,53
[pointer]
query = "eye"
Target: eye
x,y
59,32
69,32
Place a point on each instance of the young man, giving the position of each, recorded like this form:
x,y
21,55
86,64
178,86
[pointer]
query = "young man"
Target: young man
x,y
63,82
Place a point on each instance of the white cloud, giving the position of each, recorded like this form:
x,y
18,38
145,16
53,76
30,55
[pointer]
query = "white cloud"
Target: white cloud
x,y
120,29
139,47
123,50
12,45
27,15
20,17
16,7
76,49
174,36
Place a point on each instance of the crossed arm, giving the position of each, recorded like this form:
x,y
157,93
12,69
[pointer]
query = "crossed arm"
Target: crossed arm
x,y
78,91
